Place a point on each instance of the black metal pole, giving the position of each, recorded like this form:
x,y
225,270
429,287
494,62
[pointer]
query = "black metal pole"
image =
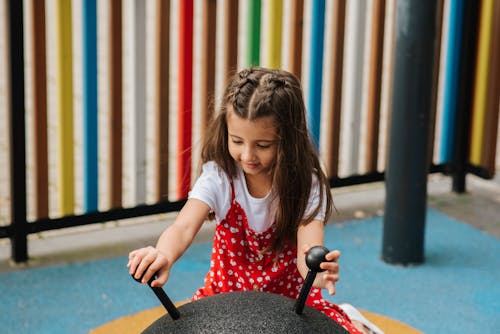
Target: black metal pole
x,y
408,160
18,231
467,65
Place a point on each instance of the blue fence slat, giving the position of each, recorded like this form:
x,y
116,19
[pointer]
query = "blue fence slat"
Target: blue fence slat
x,y
316,68
450,96
90,170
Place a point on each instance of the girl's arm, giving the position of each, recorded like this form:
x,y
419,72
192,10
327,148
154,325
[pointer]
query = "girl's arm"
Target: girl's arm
x,y
311,235
173,242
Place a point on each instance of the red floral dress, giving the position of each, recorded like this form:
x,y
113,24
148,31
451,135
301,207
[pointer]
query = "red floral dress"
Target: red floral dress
x,y
238,264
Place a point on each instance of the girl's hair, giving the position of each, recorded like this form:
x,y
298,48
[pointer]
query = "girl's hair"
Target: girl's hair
x,y
259,92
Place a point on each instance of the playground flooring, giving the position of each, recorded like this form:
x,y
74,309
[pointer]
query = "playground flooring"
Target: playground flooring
x,y
76,279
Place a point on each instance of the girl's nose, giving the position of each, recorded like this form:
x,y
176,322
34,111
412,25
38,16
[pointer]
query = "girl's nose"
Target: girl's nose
x,y
248,154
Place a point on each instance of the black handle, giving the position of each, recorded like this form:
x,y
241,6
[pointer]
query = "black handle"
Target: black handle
x,y
163,297
315,255
304,292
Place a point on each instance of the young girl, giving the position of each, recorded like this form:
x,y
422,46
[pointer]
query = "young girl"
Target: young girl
x,y
262,182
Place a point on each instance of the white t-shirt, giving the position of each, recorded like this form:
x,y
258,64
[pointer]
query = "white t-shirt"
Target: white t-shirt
x,y
214,188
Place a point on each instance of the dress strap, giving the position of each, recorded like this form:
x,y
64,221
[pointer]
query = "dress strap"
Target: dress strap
x,y
232,190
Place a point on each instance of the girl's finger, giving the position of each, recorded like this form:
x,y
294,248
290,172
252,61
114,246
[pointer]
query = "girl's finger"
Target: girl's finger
x,y
331,278
333,255
161,278
330,266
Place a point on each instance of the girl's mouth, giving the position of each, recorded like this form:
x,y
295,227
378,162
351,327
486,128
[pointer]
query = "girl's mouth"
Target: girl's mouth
x,y
251,165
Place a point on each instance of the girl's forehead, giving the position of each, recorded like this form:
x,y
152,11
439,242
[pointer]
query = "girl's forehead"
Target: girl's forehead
x,y
262,127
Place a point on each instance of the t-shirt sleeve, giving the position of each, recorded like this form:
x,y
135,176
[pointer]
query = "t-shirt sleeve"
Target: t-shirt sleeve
x,y
213,188
314,198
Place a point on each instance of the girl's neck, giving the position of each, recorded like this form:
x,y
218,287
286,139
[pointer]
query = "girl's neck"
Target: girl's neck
x,y
258,185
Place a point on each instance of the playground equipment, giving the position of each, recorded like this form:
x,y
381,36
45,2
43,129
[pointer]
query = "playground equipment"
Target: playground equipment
x,y
248,311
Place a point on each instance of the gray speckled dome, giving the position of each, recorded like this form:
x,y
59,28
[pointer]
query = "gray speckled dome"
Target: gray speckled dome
x,y
245,312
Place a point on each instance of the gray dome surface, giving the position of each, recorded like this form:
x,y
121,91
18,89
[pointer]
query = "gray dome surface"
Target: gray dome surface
x,y
245,312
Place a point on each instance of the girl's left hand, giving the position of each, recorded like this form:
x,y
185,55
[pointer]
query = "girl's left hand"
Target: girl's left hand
x,y
328,278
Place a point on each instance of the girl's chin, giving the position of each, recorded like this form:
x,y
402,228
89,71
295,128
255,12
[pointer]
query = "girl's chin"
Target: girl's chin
x,y
255,171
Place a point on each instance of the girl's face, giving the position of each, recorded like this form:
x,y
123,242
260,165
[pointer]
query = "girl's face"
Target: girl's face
x,y
252,144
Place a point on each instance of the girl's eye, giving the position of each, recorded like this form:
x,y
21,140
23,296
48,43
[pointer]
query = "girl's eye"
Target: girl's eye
x,y
263,146
237,142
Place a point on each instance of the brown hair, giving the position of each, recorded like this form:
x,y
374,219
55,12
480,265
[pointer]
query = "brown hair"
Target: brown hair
x,y
259,92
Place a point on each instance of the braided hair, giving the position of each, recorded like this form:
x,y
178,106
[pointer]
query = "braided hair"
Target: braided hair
x,y
259,92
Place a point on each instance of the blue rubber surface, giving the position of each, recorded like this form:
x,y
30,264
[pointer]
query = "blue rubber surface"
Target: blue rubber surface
x,y
456,290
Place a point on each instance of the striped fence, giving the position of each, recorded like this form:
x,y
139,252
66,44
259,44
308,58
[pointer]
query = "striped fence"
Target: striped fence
x,y
104,102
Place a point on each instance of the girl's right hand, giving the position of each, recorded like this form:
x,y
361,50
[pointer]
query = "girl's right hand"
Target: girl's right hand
x,y
145,262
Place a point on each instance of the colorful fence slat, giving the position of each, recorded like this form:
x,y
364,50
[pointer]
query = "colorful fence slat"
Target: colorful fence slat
x,y
207,91
65,107
456,11
436,82
89,76
490,133
481,81
253,38
138,115
162,98
185,97
336,72
116,104
352,87
274,24
295,47
374,85
41,173
230,38
316,69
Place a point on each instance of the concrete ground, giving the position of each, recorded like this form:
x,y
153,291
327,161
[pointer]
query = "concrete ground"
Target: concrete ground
x,y
479,207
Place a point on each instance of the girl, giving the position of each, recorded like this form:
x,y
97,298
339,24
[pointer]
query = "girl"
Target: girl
x,y
262,182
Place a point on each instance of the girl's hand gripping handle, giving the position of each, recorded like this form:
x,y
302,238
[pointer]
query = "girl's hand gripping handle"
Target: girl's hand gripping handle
x,y
315,255
162,296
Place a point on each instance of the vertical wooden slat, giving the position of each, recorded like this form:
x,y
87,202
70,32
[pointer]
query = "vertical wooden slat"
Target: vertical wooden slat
x,y
115,96
296,28
353,86
230,38
41,173
89,63
275,19
488,157
435,93
138,135
316,69
162,97
208,63
387,78
481,81
185,116
65,106
337,61
374,85
253,46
